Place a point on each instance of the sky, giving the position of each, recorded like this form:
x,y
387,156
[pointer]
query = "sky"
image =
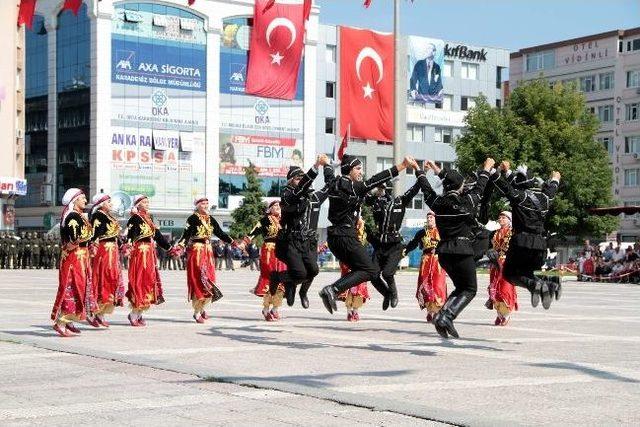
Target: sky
x,y
511,24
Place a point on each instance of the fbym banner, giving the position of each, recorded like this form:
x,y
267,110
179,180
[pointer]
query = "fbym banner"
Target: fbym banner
x,y
272,156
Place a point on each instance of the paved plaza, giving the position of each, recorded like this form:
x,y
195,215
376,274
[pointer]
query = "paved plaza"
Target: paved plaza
x,y
578,363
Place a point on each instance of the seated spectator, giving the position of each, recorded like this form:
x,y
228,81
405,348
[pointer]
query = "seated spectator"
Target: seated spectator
x,y
618,255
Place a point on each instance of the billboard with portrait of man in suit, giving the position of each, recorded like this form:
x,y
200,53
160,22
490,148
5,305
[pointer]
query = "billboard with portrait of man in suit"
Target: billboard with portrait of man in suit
x,y
426,69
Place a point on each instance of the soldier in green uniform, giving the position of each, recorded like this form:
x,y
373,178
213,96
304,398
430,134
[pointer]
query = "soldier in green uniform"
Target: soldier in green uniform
x,y
3,250
55,253
36,251
12,251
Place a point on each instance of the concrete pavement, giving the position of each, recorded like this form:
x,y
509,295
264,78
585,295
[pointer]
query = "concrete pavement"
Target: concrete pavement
x,y
578,363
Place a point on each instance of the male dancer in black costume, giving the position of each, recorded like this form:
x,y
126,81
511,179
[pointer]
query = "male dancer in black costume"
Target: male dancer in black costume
x,y
346,196
528,246
388,214
456,212
297,244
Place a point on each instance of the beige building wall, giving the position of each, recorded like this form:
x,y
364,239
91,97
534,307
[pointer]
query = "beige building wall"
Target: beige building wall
x,y
588,61
11,111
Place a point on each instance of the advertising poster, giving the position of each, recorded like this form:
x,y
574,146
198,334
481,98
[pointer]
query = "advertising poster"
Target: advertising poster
x,y
273,156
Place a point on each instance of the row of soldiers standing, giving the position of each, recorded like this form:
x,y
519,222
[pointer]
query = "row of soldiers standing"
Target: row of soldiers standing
x,y
29,251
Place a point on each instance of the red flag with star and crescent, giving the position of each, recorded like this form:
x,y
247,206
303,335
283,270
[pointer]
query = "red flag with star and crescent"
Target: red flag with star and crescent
x,y
275,48
366,83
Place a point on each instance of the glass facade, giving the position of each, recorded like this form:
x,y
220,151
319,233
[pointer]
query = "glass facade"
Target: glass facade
x,y
158,105
73,83
36,118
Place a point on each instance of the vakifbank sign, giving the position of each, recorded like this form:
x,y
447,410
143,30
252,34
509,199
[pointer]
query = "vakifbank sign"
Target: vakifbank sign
x,y
168,66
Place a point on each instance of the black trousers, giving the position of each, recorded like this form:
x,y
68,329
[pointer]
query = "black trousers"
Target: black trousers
x,y
350,251
520,264
462,271
301,258
388,256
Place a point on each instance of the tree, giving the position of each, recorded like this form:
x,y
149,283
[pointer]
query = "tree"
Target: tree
x,y
252,209
546,128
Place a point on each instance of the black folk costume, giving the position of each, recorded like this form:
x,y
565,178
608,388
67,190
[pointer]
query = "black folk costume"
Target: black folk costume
x,y
456,212
528,245
388,214
345,201
297,243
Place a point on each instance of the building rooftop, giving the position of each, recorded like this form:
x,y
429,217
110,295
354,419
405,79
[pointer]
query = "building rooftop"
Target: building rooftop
x,y
583,39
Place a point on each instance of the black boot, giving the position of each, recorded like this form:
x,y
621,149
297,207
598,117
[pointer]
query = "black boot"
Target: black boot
x,y
290,293
555,285
393,295
452,308
328,295
441,331
544,287
304,288
274,281
381,287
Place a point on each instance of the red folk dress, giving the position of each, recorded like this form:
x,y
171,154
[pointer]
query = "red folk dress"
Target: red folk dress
x,y
201,273
501,292
74,300
107,282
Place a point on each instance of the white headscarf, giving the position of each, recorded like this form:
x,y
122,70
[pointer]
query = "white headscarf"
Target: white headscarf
x,y
68,200
98,200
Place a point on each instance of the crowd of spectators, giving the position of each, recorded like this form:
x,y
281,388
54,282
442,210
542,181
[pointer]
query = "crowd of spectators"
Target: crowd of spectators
x,y
609,262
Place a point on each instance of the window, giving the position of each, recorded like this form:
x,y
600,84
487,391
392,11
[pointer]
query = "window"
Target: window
x,y
445,165
607,142
631,178
329,125
415,133
633,78
541,60
498,103
606,81
635,44
631,144
588,83
632,111
411,171
469,71
498,77
447,102
383,163
417,202
73,109
330,54
448,68
330,89
467,102
443,135
605,113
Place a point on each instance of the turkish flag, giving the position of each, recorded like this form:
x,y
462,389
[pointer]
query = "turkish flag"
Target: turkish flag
x,y
25,13
72,5
366,84
275,49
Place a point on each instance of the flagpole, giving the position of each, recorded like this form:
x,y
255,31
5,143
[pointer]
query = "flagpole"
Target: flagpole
x,y
398,94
